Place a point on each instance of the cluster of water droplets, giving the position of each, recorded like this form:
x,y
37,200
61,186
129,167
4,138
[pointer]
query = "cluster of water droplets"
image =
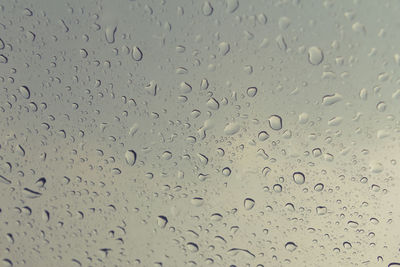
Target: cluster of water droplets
x,y
196,133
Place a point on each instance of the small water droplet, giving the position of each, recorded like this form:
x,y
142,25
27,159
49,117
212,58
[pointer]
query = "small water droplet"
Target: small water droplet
x,y
263,135
137,54
231,128
347,245
249,203
224,48
193,247
213,104
110,34
130,157
319,187
162,221
321,210
24,90
207,9
290,246
252,91
232,5
3,59
226,171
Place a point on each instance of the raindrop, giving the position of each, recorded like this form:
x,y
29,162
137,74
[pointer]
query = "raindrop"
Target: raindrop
x,y
213,104
319,187
207,9
231,128
3,59
137,54
192,247
290,246
315,55
299,178
321,210
232,5
249,203
263,135
24,90
162,221
110,34
347,245
226,171
252,91
130,157
275,122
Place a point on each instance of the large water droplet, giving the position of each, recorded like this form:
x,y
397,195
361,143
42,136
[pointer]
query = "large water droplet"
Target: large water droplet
x,y
299,178
275,122
315,55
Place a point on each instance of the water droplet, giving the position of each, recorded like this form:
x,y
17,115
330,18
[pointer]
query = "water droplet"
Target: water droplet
x,y
224,48
152,88
181,70
137,54
130,157
24,90
290,246
226,171
321,210
319,187
262,18
197,201
331,99
335,121
315,55
363,94
207,9
162,221
3,59
232,5
358,27
204,84
275,122
231,128
192,247
185,88
280,41
249,203
381,106
277,188
284,23
299,178
347,245
263,135
352,224
213,104
252,91
216,217
110,34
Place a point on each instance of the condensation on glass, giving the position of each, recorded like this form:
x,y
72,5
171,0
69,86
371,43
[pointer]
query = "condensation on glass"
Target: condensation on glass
x,y
199,133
